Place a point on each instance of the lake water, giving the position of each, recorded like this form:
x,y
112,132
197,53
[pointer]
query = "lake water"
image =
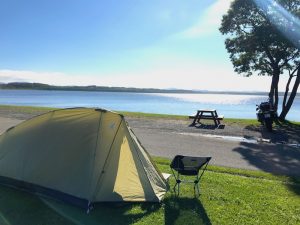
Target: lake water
x,y
231,106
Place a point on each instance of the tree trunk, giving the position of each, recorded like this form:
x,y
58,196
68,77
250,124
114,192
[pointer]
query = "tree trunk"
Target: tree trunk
x,y
275,107
273,95
287,89
293,94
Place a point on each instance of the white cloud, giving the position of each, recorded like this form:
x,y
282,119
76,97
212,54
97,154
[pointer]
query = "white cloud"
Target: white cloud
x,y
53,78
209,22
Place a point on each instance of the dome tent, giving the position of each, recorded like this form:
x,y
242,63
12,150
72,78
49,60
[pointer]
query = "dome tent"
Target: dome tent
x,y
80,156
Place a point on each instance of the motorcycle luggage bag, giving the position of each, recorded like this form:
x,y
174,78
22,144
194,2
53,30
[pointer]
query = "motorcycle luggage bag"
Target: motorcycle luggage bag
x,y
265,106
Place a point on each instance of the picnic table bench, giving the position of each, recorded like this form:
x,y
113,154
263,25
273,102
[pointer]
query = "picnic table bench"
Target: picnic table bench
x,y
207,114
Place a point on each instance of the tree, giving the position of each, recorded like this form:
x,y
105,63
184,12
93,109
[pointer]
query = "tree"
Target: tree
x,y
288,101
257,45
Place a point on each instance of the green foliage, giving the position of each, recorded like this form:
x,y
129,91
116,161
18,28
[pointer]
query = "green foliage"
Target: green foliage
x,y
254,42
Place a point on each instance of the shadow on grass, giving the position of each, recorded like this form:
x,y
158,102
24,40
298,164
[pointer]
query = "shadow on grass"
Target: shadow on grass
x,y
278,160
105,213
294,184
185,211
18,207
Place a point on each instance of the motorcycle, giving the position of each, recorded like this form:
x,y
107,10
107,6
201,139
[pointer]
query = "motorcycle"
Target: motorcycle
x,y
265,114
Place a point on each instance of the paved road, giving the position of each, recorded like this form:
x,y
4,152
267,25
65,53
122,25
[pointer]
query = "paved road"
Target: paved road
x,y
278,159
6,123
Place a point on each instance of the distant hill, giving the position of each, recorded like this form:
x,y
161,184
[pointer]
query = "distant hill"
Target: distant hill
x,y
39,86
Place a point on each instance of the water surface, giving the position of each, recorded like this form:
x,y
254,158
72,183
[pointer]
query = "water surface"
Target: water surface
x,y
231,106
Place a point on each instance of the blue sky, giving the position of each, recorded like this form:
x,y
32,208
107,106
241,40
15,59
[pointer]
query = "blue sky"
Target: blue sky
x,y
129,43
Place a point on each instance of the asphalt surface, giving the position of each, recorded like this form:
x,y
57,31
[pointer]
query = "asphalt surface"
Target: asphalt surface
x,y
6,123
268,157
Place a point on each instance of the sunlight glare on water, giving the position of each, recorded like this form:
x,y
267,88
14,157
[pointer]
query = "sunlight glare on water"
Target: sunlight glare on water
x,y
224,99
229,105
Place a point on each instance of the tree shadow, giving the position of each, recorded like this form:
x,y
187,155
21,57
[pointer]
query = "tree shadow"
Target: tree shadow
x,y
283,132
294,185
278,160
19,207
180,210
290,129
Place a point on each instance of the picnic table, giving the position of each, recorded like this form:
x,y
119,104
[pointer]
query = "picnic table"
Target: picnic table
x,y
207,114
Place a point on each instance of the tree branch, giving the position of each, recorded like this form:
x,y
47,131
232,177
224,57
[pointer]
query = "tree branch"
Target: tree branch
x,y
294,71
288,59
269,55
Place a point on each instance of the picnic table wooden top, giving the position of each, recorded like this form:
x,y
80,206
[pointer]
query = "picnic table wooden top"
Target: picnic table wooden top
x,y
206,110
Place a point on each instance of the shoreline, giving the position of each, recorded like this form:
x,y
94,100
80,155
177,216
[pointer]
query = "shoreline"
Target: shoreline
x,y
231,106
247,128
41,109
286,133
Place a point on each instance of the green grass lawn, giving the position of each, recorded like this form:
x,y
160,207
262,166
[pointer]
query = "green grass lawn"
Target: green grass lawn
x,y
229,196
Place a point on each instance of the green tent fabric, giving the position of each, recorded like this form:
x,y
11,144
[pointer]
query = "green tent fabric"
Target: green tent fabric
x,y
81,156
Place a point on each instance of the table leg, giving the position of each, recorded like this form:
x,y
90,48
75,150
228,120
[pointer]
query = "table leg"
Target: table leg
x,y
215,118
195,119
199,117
